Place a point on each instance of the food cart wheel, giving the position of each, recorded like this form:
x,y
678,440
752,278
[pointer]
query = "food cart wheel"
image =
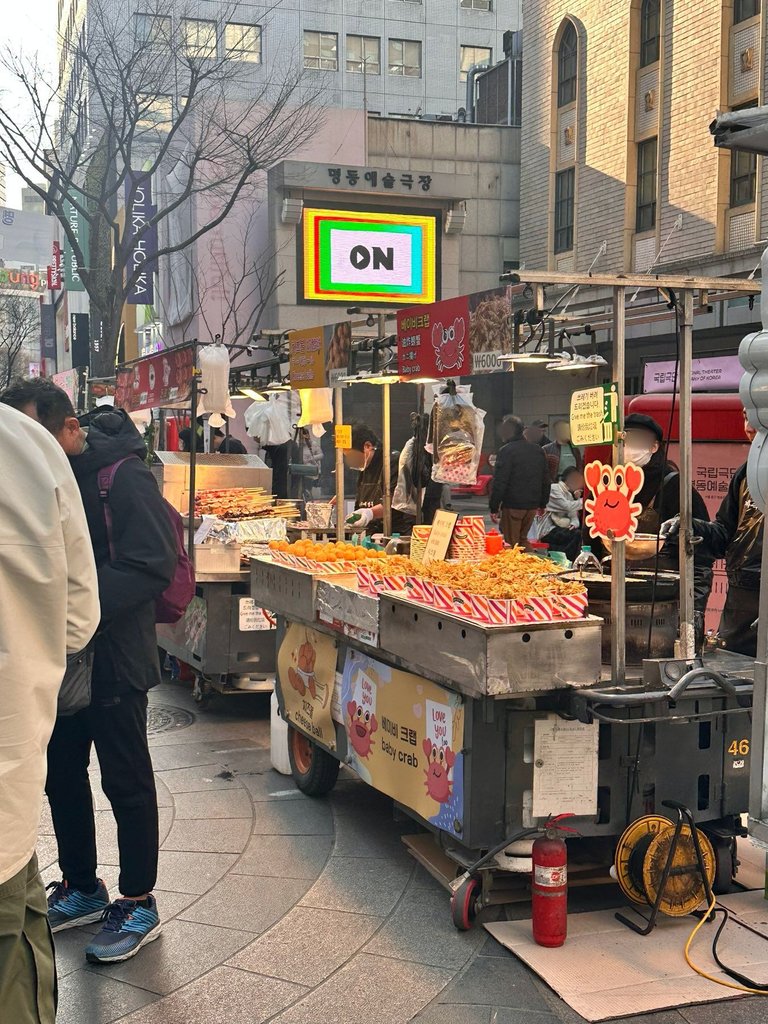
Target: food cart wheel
x,y
201,689
725,865
464,904
314,770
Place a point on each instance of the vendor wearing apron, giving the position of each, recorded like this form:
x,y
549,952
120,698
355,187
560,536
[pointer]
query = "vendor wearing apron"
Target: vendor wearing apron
x,y
366,458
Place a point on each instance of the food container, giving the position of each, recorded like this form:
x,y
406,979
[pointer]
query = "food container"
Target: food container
x,y
419,537
223,558
641,548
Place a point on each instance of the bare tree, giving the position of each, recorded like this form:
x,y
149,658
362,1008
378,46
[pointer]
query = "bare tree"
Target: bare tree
x,y
158,97
19,327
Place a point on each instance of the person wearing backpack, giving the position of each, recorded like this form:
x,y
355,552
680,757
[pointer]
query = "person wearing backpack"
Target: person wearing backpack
x,y
136,554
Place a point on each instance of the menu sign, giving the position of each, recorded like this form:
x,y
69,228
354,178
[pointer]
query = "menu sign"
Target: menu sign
x,y
440,536
161,379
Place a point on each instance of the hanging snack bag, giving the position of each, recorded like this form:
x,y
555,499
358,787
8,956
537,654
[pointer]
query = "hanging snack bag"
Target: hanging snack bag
x,y
456,432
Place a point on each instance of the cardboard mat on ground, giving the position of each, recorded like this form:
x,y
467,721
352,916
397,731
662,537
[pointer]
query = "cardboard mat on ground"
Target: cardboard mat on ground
x,y
605,970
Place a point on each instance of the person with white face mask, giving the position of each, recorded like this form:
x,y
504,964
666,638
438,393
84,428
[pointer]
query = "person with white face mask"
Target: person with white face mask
x,y
366,458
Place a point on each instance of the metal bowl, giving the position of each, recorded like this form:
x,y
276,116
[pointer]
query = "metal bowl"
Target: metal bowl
x,y
641,548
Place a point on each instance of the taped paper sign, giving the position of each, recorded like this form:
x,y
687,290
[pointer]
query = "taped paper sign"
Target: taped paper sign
x,y
564,768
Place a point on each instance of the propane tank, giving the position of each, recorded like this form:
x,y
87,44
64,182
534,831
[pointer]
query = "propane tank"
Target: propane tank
x,y
549,890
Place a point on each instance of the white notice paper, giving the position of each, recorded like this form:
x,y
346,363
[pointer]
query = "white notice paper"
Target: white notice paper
x,y
253,618
564,767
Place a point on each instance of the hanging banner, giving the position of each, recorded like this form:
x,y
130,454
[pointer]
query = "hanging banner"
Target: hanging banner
x,y
455,337
306,665
319,355
405,736
162,379
81,230
79,328
141,239
48,335
55,269
710,373
611,510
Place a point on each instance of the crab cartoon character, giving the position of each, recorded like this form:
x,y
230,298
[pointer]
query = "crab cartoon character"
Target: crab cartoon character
x,y
362,726
611,511
440,760
448,343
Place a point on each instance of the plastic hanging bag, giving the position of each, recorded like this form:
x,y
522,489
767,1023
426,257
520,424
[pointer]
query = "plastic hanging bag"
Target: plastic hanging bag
x,y
456,430
214,384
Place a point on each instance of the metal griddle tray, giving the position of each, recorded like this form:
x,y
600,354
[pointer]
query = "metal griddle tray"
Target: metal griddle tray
x,y
483,660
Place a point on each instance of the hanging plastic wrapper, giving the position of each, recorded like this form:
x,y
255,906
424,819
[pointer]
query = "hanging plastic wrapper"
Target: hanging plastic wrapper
x,y
456,432
316,409
214,384
270,421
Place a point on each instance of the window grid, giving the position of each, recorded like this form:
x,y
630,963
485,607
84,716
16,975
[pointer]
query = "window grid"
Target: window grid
x,y
744,9
364,55
476,5
567,62
565,182
470,55
199,38
743,178
405,57
646,185
650,29
321,51
243,42
154,29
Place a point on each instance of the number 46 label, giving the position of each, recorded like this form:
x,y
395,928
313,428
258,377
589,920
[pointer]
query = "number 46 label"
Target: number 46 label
x,y
739,748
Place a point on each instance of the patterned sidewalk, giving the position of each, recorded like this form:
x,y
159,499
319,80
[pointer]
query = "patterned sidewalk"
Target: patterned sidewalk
x,y
279,908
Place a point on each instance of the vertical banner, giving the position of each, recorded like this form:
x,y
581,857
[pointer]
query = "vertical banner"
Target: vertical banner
x,y
81,230
141,238
79,331
306,354
48,336
54,271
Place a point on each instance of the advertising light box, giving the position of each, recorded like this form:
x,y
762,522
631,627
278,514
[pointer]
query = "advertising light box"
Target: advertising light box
x,y
364,256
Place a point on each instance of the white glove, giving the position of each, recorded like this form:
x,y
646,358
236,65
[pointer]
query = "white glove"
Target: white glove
x,y
670,527
359,519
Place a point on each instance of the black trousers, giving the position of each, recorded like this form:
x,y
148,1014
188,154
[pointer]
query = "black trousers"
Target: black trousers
x,y
279,458
739,612
118,730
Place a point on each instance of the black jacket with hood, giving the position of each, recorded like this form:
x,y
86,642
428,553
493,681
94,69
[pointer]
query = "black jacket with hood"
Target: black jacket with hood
x,y
145,555
736,534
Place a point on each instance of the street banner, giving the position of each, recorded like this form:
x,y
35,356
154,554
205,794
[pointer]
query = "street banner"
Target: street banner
x,y
55,269
710,373
319,356
405,736
306,665
79,332
164,378
48,334
81,230
142,240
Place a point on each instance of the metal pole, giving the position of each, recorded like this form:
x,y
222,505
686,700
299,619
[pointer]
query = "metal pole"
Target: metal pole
x,y
387,439
618,552
686,647
192,465
338,419
758,782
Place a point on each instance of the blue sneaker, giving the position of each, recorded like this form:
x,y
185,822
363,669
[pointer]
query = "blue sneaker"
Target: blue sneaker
x,y
69,908
127,927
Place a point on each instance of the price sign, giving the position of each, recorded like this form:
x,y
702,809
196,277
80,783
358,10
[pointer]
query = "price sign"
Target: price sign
x,y
595,415
342,435
440,536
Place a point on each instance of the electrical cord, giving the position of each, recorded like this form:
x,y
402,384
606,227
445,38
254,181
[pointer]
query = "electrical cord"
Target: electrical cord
x,y
742,983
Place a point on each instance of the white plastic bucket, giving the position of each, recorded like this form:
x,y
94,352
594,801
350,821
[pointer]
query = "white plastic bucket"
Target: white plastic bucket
x,y
278,739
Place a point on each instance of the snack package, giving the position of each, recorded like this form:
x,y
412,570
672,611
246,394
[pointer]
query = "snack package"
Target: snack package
x,y
456,431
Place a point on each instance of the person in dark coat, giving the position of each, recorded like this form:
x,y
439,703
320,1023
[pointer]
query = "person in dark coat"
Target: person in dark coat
x,y
562,453
521,484
366,459
220,443
131,577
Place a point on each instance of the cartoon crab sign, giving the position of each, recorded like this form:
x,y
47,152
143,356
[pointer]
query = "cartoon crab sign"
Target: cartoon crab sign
x,y
448,343
612,511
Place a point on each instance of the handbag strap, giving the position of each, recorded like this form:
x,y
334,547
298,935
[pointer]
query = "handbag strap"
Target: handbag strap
x,y
105,480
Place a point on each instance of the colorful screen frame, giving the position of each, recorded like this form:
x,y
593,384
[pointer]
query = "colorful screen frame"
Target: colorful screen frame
x,y
316,284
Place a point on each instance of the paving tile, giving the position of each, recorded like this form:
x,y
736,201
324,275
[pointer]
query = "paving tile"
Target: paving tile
x,y
674,1016
47,851
361,885
370,989
444,1013
197,779
491,981
191,754
505,1015
70,949
164,795
220,835
206,731
290,949
739,1011
491,947
192,872
164,822
172,903
305,817
87,997
233,803
247,902
267,784
421,930
285,856
185,951
225,996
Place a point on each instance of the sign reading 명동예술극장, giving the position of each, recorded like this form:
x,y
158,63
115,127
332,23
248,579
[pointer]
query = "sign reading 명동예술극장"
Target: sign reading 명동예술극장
x,y
363,256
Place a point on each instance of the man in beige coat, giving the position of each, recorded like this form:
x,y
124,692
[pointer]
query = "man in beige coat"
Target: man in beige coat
x,y
48,607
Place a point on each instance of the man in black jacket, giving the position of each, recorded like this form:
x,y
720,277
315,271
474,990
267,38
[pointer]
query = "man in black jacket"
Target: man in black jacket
x,y
131,576
521,484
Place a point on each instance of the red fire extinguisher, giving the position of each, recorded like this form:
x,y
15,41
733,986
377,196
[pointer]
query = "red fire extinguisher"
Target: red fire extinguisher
x,y
549,888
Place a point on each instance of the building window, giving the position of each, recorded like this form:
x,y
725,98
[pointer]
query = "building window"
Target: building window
x,y
321,51
363,55
154,111
650,27
405,57
243,42
199,38
743,9
646,185
471,55
153,29
743,178
567,62
476,5
564,187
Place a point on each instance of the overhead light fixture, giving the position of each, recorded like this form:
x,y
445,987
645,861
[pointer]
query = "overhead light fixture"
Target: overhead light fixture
x,y
368,378
576,362
251,393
